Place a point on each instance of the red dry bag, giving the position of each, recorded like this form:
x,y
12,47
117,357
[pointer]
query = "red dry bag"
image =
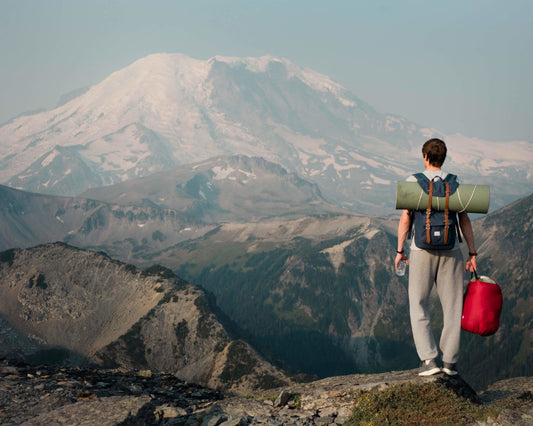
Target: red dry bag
x,y
482,306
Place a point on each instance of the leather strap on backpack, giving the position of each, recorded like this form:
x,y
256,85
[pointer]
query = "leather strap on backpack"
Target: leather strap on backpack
x,y
428,213
446,213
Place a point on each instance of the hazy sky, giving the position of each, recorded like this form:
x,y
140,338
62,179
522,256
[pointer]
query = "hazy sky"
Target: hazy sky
x,y
458,65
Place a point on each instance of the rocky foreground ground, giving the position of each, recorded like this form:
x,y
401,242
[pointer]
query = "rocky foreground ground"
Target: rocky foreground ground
x,y
47,395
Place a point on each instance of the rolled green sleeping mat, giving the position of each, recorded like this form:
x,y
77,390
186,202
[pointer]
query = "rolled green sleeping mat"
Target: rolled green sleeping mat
x,y
468,198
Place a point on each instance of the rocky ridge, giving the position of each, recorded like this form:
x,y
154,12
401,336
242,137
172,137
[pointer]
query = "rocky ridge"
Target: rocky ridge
x,y
67,306
34,395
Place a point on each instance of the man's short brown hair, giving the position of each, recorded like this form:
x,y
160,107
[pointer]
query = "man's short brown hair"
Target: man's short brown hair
x,y
435,151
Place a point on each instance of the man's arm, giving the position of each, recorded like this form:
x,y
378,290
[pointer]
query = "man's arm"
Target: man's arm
x,y
468,233
403,229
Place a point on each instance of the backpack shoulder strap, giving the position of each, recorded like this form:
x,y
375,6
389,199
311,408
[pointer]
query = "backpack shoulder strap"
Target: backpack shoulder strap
x,y
428,213
423,181
446,212
450,178
421,177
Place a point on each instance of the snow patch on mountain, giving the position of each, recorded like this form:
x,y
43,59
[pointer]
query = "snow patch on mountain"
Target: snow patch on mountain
x,y
475,155
49,158
336,254
108,151
221,173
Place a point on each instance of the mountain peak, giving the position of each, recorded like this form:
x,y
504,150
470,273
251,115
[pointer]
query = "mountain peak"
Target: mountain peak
x,y
281,66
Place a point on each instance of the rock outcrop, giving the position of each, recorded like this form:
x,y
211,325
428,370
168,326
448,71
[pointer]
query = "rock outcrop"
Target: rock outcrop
x,y
58,395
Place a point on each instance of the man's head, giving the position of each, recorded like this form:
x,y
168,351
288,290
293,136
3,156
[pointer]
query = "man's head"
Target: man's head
x,y
435,152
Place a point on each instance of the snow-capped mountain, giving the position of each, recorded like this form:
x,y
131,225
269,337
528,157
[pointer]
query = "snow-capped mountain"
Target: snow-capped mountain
x,y
170,109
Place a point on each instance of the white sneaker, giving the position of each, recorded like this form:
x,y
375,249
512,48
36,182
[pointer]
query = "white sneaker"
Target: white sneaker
x,y
428,368
449,368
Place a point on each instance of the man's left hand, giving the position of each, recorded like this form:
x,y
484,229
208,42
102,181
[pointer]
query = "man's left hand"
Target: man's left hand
x,y
471,264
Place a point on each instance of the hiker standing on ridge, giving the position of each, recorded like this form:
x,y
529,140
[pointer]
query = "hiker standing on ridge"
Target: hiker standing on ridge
x,y
443,268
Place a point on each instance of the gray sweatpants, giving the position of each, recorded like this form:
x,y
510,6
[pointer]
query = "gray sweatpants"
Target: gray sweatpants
x,y
445,270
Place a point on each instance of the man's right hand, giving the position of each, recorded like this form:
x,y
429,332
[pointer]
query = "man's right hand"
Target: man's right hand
x,y
399,258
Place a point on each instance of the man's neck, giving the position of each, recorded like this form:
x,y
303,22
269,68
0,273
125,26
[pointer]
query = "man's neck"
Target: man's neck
x,y
430,167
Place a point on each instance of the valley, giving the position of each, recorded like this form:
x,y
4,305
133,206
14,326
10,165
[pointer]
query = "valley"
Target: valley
x,y
317,295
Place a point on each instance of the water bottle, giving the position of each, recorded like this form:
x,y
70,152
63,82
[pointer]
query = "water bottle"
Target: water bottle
x,y
400,270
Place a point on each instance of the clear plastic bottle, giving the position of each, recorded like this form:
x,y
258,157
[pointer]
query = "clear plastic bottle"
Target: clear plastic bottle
x,y
400,270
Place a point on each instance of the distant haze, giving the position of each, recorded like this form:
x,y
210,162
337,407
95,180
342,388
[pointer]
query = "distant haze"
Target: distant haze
x,y
457,66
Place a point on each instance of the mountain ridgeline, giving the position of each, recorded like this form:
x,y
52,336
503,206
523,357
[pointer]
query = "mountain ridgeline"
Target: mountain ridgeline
x,y
29,219
140,217
223,189
318,294
68,306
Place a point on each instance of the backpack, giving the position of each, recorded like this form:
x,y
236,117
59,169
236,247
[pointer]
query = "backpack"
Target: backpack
x,y
436,229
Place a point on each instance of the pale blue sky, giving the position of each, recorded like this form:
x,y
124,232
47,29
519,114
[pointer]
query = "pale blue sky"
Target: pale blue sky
x,y
458,65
